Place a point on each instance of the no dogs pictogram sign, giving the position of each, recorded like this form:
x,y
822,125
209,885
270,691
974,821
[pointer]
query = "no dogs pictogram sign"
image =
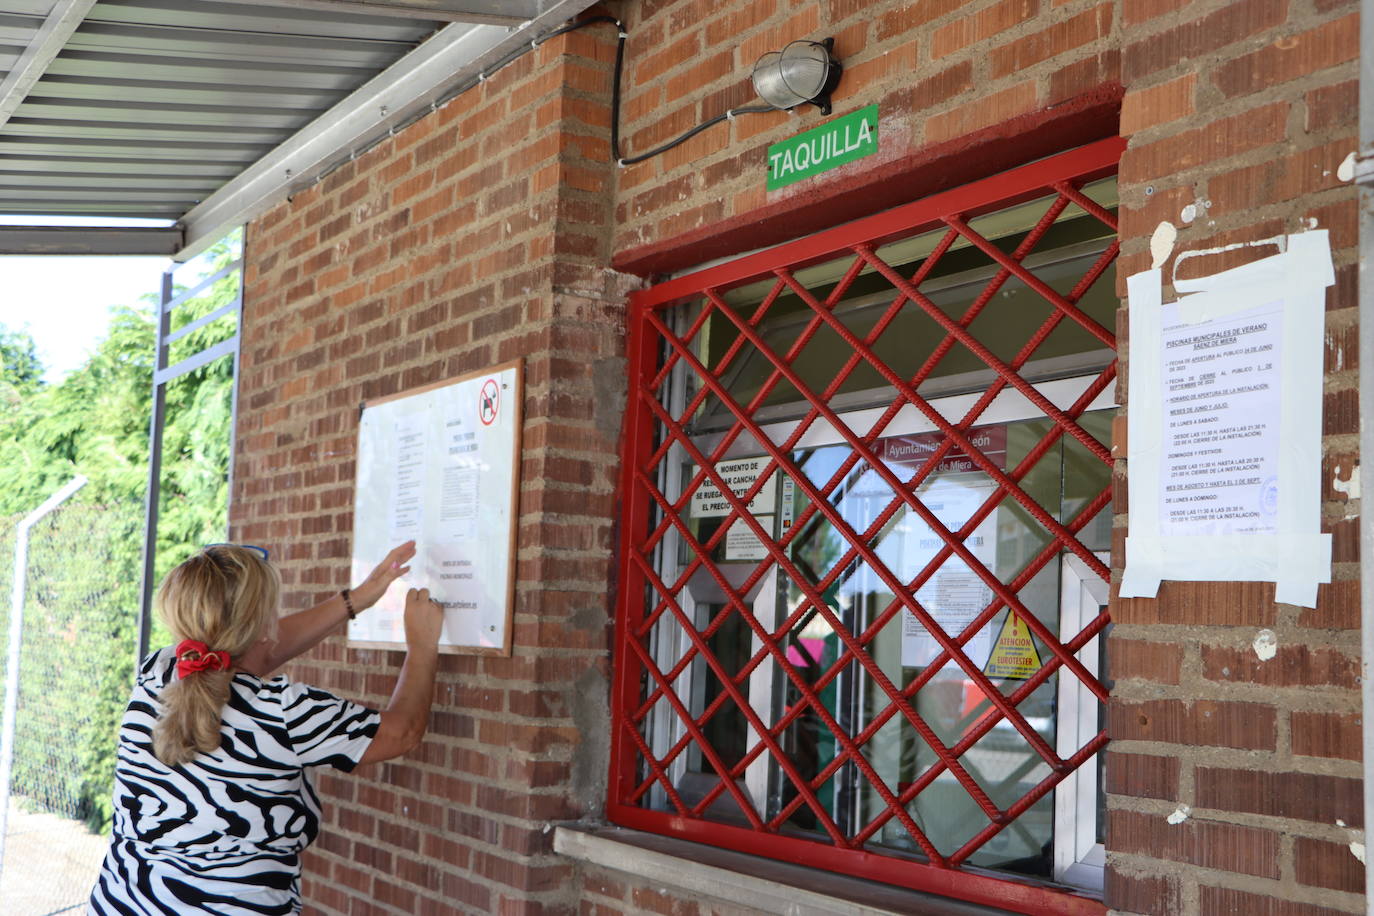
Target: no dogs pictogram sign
x,y
488,402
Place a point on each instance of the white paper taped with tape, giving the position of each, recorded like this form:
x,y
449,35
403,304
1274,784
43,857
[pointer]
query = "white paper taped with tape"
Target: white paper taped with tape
x,y
1224,428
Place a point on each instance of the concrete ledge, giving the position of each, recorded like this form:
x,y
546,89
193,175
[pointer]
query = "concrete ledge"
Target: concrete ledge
x,y
747,881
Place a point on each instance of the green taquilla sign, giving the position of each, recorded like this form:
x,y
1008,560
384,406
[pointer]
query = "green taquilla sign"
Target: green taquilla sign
x,y
842,140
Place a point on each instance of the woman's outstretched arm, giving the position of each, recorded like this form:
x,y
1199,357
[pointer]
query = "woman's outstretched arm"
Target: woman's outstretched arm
x,y
302,631
406,717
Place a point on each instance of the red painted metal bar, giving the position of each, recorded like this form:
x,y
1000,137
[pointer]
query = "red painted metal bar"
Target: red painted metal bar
x,y
685,715
762,395
957,750
1031,797
1090,206
637,479
1022,356
660,775
803,338
1051,550
764,390
1032,238
982,352
1035,283
882,717
852,362
876,673
996,606
933,565
1087,163
707,308
879,569
730,686
1031,506
737,602
986,724
641,360
869,557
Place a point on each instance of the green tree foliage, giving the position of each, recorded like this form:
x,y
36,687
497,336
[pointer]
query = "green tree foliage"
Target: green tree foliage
x,y
82,603
20,369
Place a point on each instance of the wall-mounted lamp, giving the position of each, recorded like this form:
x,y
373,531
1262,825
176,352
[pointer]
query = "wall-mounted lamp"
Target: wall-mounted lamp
x,y
802,72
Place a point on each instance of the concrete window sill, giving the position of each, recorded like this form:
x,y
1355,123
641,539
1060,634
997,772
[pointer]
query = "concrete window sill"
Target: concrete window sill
x,y
752,882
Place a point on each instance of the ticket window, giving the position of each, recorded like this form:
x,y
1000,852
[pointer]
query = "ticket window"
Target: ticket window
x,y
878,678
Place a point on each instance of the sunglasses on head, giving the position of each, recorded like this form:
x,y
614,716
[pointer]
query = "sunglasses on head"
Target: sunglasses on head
x,y
260,551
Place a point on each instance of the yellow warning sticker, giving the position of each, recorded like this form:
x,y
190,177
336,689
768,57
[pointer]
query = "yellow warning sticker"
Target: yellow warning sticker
x,y
1014,655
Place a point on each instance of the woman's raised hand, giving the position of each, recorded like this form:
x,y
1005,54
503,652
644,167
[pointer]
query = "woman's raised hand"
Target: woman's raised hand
x,y
392,567
424,619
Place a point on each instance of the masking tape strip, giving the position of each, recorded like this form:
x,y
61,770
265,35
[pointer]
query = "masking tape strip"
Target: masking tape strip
x,y
1308,272
1298,556
1144,421
1234,557
1144,566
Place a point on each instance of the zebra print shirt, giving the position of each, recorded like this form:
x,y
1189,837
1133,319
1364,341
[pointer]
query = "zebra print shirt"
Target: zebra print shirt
x,y
223,834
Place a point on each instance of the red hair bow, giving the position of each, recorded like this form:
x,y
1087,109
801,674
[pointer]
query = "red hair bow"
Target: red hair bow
x,y
194,656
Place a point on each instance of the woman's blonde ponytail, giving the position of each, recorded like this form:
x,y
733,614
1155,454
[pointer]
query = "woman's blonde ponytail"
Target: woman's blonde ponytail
x,y
226,597
191,714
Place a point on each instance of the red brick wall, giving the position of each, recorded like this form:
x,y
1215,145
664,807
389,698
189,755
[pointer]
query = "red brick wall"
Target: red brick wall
x,y
964,90
476,235
1244,110
486,230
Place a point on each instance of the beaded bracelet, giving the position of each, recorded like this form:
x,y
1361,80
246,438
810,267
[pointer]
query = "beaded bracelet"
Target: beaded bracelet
x,y
348,604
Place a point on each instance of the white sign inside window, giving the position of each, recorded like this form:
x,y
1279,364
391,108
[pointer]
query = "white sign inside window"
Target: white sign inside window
x,y
955,594
742,544
740,475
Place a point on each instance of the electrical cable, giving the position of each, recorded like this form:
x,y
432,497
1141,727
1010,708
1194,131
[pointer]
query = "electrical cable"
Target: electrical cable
x,y
728,116
620,160
521,51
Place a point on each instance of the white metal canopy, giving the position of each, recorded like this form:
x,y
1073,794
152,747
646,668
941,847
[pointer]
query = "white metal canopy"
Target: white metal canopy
x,y
204,114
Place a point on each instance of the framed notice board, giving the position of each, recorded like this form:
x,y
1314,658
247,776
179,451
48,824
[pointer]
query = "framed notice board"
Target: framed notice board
x,y
440,465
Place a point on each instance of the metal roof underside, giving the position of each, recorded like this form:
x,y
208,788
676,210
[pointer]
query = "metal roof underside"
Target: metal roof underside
x,y
208,112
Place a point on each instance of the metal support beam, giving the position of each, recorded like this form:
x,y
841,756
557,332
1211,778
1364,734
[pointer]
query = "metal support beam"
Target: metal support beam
x,y
68,240
154,497
33,62
1364,179
168,302
482,12
456,57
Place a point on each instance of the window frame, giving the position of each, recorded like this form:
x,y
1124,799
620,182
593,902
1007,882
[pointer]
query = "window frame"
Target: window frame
x,y
1028,895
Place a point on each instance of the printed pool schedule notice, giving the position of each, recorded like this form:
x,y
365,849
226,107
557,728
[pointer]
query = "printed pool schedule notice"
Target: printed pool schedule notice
x,y
1221,394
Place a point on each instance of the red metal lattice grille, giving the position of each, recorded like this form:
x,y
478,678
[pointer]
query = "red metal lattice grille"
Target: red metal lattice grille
x,y
648,685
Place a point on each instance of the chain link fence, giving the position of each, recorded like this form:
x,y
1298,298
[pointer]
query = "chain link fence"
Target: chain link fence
x,y
76,659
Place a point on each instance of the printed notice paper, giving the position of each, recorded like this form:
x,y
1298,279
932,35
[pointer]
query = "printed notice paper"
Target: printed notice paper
x,y
1224,424
954,595
440,466
1220,389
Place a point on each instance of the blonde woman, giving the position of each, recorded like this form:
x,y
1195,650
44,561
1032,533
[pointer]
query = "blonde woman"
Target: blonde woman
x,y
213,801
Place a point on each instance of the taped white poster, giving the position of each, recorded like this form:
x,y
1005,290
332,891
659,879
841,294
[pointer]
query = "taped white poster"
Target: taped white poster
x,y
1220,389
954,595
1224,426
440,466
